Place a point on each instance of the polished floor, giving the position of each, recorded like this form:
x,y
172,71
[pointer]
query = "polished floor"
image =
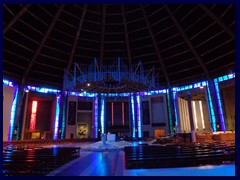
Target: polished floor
x,y
111,163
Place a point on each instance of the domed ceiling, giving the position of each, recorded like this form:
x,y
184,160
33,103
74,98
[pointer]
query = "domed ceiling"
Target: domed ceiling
x,y
184,43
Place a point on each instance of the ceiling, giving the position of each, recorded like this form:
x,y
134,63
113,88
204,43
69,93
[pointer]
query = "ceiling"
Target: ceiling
x,y
185,43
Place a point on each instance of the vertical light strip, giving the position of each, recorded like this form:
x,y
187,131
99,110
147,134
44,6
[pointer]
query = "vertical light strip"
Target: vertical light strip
x,y
133,117
195,114
181,114
102,116
139,127
112,115
13,112
183,117
219,103
123,114
169,114
95,130
64,117
33,116
187,120
56,124
185,114
175,109
188,115
211,110
201,113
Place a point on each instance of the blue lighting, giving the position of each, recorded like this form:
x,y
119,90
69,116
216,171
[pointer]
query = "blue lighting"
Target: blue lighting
x,y
204,83
64,117
8,83
230,76
102,116
13,115
5,82
139,121
220,79
225,77
175,107
136,115
95,131
149,93
212,114
56,125
41,89
83,94
169,114
219,103
133,117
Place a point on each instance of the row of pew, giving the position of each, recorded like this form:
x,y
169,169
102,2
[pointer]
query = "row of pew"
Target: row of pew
x,y
171,156
36,161
47,142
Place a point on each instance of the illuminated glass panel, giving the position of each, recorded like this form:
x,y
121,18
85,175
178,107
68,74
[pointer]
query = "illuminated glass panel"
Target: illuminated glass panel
x,y
220,79
169,114
64,116
133,117
8,83
139,122
41,89
83,94
33,117
13,114
56,124
95,131
102,116
204,83
123,114
219,103
230,76
225,77
175,107
211,110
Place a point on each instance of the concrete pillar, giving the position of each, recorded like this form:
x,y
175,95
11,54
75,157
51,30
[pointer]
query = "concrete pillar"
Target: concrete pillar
x,y
176,114
171,128
24,115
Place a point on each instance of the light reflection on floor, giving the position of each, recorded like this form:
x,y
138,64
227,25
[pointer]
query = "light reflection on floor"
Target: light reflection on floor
x,y
112,163
208,170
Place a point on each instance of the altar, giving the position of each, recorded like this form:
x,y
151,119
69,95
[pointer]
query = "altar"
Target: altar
x,y
111,137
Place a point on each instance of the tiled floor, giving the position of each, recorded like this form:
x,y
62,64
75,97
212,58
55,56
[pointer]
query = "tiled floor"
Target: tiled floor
x,y
111,163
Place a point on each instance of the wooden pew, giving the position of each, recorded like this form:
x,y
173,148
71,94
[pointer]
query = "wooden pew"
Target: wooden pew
x,y
38,161
173,156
